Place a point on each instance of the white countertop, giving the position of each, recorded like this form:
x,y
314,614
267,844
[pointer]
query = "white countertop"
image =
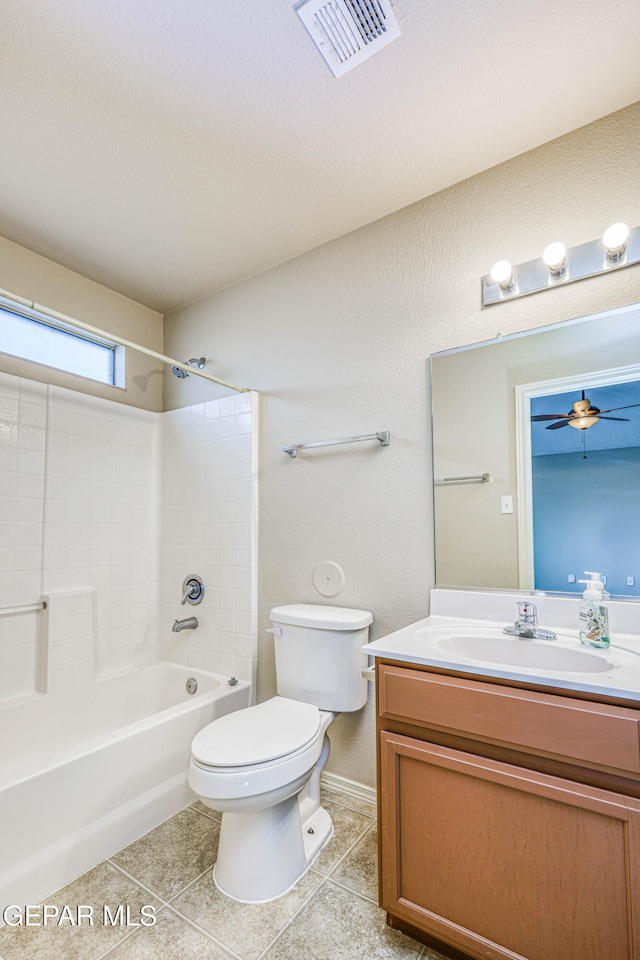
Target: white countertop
x,y
422,643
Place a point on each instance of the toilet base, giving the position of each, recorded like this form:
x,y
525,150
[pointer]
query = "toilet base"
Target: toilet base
x,y
263,854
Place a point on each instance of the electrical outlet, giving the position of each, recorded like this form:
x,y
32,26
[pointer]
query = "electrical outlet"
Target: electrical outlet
x,y
631,581
571,578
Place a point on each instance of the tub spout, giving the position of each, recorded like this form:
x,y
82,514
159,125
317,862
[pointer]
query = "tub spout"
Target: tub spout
x,y
189,624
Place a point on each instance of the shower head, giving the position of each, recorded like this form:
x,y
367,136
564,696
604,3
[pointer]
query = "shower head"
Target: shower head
x,y
181,374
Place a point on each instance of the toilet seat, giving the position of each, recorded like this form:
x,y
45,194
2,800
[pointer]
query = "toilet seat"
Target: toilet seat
x,y
215,778
278,728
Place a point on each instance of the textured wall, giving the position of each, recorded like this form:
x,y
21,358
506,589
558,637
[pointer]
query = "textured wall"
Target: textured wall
x,y
337,342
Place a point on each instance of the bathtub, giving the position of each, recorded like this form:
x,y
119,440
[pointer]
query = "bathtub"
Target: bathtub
x,y
84,773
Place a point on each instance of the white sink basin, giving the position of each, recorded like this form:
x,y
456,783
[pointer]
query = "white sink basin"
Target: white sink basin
x,y
517,652
481,649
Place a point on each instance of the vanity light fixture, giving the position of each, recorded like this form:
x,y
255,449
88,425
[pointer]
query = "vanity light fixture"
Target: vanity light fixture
x,y
619,247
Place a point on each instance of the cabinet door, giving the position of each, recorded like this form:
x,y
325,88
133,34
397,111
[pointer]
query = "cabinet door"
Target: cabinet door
x,y
500,861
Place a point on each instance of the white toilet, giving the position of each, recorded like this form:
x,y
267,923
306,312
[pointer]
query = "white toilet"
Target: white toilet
x,y
260,767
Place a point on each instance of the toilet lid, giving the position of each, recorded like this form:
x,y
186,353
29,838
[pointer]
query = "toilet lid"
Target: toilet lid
x,y
257,734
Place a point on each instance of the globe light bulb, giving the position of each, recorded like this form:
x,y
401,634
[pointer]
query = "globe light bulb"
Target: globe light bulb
x,y
555,257
502,274
615,240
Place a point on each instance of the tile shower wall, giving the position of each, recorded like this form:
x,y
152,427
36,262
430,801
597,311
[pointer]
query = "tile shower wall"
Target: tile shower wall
x,y
101,529
209,528
82,524
23,421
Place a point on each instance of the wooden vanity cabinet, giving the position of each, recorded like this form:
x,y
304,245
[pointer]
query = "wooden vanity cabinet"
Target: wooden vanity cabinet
x,y
509,818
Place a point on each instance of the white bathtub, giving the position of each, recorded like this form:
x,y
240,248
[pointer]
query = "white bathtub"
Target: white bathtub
x,y
84,773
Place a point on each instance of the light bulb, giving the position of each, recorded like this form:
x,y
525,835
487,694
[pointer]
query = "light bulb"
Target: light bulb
x,y
555,257
502,274
615,240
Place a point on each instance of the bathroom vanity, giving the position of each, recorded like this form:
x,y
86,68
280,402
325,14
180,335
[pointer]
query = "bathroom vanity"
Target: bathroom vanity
x,y
509,798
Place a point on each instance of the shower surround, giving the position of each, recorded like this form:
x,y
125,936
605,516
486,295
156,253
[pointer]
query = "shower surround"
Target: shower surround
x,y
123,503
104,510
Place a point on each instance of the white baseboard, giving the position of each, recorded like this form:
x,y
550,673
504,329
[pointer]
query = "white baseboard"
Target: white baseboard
x,y
348,788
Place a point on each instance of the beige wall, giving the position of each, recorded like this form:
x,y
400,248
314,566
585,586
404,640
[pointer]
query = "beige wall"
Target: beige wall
x,y
35,278
337,342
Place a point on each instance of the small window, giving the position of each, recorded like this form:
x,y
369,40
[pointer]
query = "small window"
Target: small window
x,y
31,336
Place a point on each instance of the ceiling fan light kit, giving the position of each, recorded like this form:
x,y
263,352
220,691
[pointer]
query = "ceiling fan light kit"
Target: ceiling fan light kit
x,y
582,416
619,247
583,423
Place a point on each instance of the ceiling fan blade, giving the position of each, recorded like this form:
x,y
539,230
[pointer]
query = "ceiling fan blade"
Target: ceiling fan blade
x,y
556,426
627,407
549,416
621,419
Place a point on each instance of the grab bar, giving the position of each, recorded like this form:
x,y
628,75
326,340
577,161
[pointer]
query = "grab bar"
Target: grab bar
x,y
446,481
22,608
383,436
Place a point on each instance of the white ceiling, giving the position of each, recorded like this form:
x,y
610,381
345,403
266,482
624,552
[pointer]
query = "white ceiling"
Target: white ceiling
x,y
167,149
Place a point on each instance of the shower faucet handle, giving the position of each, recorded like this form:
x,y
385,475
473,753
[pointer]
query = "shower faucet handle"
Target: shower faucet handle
x,y
192,589
188,591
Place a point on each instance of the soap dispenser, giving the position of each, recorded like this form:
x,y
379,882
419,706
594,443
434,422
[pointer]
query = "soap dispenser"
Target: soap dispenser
x,y
594,616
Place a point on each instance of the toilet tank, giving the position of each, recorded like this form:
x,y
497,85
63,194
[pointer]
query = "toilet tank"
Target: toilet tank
x,y
319,655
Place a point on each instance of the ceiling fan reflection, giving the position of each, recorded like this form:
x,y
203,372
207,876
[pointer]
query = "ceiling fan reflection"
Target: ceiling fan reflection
x,y
582,416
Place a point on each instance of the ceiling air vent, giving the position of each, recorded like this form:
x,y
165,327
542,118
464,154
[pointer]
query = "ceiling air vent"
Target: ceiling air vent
x,y
346,32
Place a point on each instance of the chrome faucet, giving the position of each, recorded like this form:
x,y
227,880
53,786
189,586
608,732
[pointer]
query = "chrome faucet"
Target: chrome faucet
x,y
526,626
189,624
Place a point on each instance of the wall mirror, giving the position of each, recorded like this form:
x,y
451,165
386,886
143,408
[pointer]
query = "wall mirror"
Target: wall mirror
x,y
536,452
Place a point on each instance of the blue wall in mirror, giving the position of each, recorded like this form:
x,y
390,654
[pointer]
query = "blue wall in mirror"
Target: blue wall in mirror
x,y
586,492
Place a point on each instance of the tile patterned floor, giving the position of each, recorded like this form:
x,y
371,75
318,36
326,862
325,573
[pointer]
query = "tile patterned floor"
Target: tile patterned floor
x,y
331,914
